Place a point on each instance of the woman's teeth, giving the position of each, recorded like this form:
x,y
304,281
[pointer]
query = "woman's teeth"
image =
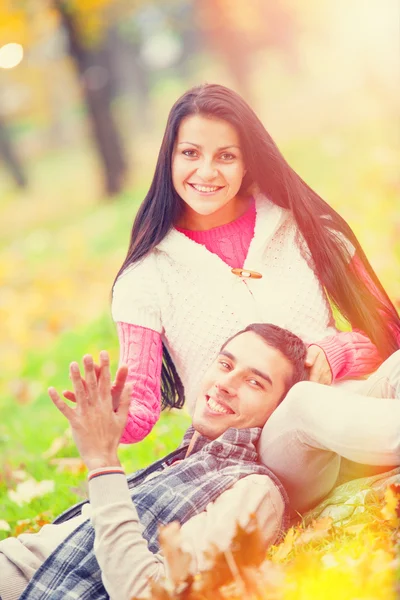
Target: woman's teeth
x,y
203,188
216,407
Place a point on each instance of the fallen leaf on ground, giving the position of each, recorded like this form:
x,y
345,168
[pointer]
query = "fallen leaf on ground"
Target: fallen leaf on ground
x,y
4,526
391,510
177,559
285,547
317,530
33,525
26,491
63,441
73,465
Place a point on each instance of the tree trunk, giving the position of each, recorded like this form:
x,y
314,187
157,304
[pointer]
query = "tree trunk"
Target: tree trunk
x,y
10,158
97,89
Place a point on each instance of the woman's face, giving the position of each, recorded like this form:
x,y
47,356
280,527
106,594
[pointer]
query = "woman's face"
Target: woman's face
x,y
207,172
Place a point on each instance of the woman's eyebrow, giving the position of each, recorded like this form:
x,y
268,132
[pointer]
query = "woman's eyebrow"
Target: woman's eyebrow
x,y
218,149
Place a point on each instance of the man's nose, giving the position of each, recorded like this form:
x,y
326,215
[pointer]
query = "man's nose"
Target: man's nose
x,y
226,385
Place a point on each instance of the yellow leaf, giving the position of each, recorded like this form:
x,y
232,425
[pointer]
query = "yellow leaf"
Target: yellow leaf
x,y
391,511
317,530
286,546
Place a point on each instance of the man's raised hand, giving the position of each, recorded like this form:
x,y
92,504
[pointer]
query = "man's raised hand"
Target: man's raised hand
x,y
96,426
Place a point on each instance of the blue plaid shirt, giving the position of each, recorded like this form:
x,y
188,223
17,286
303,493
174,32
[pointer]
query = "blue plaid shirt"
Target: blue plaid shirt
x,y
177,494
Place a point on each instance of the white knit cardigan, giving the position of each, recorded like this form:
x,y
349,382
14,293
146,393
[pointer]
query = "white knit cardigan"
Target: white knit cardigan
x,y
192,298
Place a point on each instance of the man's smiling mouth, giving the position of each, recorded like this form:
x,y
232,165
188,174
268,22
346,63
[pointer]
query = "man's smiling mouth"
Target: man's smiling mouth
x,y
217,407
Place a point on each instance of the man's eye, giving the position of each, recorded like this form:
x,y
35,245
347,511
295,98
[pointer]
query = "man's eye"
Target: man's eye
x,y
224,364
255,382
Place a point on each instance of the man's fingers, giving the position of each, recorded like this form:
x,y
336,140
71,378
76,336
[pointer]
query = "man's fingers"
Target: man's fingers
x,y
90,378
69,395
124,403
105,377
81,394
60,404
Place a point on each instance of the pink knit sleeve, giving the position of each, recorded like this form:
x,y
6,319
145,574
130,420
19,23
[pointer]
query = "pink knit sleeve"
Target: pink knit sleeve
x,y
141,351
352,354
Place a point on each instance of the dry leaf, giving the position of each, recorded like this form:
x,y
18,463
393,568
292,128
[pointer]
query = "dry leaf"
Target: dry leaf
x,y
4,526
26,491
178,560
33,525
63,441
356,529
285,547
317,530
74,465
391,511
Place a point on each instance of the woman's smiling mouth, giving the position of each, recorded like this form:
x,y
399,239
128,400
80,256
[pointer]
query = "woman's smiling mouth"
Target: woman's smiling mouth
x,y
206,189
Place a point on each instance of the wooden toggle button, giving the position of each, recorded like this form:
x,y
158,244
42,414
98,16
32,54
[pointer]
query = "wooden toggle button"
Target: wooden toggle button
x,y
247,273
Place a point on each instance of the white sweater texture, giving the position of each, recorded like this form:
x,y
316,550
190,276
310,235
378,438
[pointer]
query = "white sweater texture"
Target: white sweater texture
x,y
192,298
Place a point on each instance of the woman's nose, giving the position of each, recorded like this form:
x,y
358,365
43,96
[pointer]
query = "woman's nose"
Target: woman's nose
x,y
207,171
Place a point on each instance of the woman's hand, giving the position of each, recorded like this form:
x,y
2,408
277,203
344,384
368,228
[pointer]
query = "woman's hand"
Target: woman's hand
x,y
316,361
96,426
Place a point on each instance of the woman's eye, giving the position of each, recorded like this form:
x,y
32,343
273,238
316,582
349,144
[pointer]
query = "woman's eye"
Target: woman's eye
x,y
228,156
189,153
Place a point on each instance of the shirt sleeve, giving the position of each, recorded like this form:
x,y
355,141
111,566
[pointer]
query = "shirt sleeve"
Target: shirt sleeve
x,y
123,555
141,351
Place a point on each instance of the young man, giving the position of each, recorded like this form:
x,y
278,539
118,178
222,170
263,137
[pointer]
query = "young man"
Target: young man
x,y
213,481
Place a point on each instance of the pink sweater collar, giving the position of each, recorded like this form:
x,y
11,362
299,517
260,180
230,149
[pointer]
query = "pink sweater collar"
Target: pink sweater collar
x,y
244,223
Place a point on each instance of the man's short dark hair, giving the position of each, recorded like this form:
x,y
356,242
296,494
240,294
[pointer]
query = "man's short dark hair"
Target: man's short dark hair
x,y
289,344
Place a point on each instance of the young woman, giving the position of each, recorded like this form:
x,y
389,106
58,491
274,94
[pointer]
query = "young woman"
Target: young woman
x,y
229,234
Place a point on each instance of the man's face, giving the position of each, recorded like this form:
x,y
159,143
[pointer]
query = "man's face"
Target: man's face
x,y
242,387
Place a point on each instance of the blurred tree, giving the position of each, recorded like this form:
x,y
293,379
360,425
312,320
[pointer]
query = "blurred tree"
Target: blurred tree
x,y
235,29
85,23
95,76
10,157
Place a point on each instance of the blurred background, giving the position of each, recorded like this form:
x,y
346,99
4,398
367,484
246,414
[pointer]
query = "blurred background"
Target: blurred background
x,y
85,89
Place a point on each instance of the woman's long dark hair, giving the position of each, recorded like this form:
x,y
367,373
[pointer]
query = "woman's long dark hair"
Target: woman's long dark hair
x,y
320,225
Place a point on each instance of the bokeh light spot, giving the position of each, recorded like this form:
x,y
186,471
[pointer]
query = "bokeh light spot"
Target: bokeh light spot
x,y
11,55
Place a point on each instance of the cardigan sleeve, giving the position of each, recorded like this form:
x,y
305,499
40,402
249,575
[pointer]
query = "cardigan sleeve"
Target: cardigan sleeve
x,y
141,351
122,553
350,354
136,310
135,296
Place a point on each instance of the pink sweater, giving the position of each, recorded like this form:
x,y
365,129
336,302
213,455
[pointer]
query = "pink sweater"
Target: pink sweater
x,y
350,354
